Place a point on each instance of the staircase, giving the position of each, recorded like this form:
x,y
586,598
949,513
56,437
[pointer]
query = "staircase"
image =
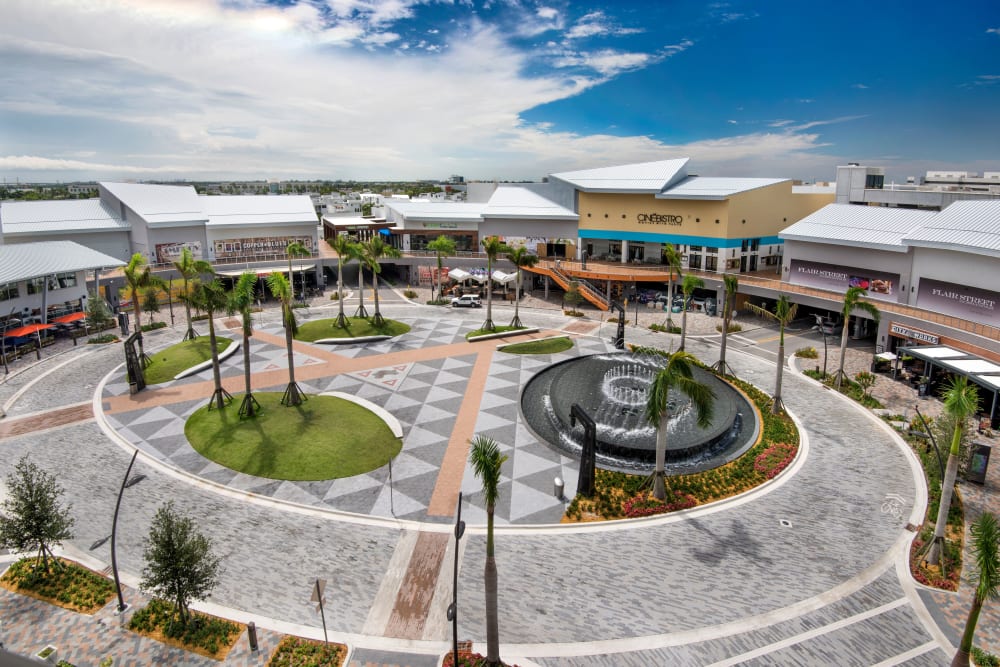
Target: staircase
x,y
587,291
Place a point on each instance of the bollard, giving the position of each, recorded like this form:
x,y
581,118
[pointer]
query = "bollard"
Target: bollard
x,y
559,485
252,636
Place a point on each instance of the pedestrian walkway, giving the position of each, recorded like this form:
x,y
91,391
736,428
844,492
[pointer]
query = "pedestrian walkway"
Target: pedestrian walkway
x,y
803,571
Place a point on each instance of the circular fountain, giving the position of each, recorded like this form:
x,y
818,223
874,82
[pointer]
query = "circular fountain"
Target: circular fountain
x,y
612,390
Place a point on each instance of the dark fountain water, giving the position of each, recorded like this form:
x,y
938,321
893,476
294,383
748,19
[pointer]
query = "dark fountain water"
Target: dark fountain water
x,y
612,390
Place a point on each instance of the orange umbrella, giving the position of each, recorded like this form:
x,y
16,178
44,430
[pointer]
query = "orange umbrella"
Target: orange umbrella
x,y
26,330
71,317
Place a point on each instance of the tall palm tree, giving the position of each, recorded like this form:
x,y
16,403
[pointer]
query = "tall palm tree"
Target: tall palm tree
x,y
241,301
359,254
688,286
211,298
521,257
297,249
442,246
346,248
732,284
672,257
784,312
985,542
486,461
677,374
279,287
190,268
852,301
139,276
492,246
374,250
960,401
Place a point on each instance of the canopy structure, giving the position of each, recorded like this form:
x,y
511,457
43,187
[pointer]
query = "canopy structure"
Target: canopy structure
x,y
885,356
26,330
459,274
71,317
983,372
503,278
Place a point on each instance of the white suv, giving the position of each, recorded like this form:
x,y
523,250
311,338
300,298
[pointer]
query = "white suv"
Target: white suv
x,y
466,301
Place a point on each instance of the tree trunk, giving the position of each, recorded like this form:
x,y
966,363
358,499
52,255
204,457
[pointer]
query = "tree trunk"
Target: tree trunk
x,y
516,322
843,354
377,319
684,324
490,576
216,375
341,320
965,646
934,556
488,325
248,408
776,405
289,348
659,484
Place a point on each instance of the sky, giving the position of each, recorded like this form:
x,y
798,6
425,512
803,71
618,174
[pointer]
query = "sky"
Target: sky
x,y
493,89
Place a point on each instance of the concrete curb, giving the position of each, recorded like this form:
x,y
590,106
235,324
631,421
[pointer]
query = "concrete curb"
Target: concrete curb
x,y
228,352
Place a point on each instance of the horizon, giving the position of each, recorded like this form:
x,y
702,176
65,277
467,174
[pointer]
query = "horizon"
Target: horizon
x,y
493,90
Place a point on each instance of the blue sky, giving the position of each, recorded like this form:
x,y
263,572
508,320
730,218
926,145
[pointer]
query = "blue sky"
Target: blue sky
x,y
494,89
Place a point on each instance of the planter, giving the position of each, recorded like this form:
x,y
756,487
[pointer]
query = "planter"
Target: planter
x,y
47,654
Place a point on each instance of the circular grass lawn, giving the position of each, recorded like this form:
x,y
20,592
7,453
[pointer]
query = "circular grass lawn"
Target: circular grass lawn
x,y
324,438
356,328
167,363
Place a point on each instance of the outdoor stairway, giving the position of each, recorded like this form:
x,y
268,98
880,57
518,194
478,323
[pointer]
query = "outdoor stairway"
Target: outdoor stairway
x,y
587,291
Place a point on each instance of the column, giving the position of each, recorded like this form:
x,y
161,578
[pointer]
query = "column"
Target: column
x,y
624,252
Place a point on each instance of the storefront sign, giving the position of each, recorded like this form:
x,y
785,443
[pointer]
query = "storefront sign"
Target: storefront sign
x,y
171,252
250,247
659,219
969,303
913,334
877,285
440,225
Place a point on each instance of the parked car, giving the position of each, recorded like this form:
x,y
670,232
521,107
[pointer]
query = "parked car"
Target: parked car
x,y
711,306
467,301
827,325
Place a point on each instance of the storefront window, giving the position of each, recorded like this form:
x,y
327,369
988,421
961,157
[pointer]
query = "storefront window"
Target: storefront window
x,y
8,292
712,263
694,261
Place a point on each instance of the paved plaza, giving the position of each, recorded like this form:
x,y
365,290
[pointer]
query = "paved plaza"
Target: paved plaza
x,y
809,569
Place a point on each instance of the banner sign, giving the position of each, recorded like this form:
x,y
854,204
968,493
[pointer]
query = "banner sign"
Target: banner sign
x,y
171,252
877,284
913,334
265,245
969,303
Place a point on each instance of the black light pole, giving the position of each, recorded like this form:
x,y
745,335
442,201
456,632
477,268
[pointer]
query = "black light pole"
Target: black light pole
x,y
126,482
453,607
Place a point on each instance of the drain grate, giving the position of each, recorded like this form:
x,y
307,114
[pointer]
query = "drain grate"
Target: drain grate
x,y
786,523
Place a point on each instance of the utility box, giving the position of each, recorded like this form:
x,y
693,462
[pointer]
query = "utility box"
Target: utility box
x,y
979,462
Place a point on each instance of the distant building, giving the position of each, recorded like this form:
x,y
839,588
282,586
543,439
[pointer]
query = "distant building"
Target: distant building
x,y
859,184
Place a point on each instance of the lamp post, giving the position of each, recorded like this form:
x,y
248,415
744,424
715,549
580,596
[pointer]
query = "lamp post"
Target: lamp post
x,y
453,607
126,482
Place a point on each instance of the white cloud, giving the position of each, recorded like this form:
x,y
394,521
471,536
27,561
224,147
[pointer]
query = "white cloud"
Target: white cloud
x,y
597,23
995,31
860,86
607,62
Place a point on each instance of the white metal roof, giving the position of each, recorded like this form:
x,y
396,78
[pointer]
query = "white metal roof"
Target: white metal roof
x,y
518,202
160,204
938,352
24,261
991,380
259,210
967,226
852,225
59,217
437,210
706,187
649,177
971,366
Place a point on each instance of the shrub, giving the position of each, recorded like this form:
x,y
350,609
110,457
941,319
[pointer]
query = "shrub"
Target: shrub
x,y
984,659
469,660
152,326
72,586
774,459
665,328
807,353
335,296
103,338
202,631
733,327
409,294
298,652
645,504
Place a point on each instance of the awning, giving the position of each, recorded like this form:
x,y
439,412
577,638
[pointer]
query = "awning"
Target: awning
x,y
459,275
885,356
262,271
503,278
71,317
26,330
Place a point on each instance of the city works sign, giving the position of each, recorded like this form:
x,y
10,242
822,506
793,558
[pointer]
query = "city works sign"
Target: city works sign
x,y
659,219
913,334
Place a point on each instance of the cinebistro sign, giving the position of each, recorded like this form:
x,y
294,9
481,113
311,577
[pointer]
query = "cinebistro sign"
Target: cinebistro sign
x,y
659,219
913,334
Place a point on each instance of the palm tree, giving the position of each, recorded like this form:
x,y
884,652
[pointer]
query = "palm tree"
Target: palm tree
x,y
486,461
297,249
359,254
374,250
672,256
280,288
190,268
985,542
852,302
442,246
241,301
347,249
521,258
492,246
732,284
688,286
211,298
960,401
784,312
677,374
139,276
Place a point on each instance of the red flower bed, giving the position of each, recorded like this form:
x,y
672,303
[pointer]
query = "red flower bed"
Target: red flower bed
x,y
646,505
928,577
774,459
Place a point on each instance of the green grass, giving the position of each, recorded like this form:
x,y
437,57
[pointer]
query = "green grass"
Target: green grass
x,y
324,438
549,346
72,586
180,357
356,328
496,330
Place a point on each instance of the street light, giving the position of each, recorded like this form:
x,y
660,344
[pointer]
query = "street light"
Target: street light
x,y
126,483
453,607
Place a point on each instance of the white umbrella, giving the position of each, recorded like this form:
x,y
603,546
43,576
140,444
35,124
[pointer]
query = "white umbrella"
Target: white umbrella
x,y
459,275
